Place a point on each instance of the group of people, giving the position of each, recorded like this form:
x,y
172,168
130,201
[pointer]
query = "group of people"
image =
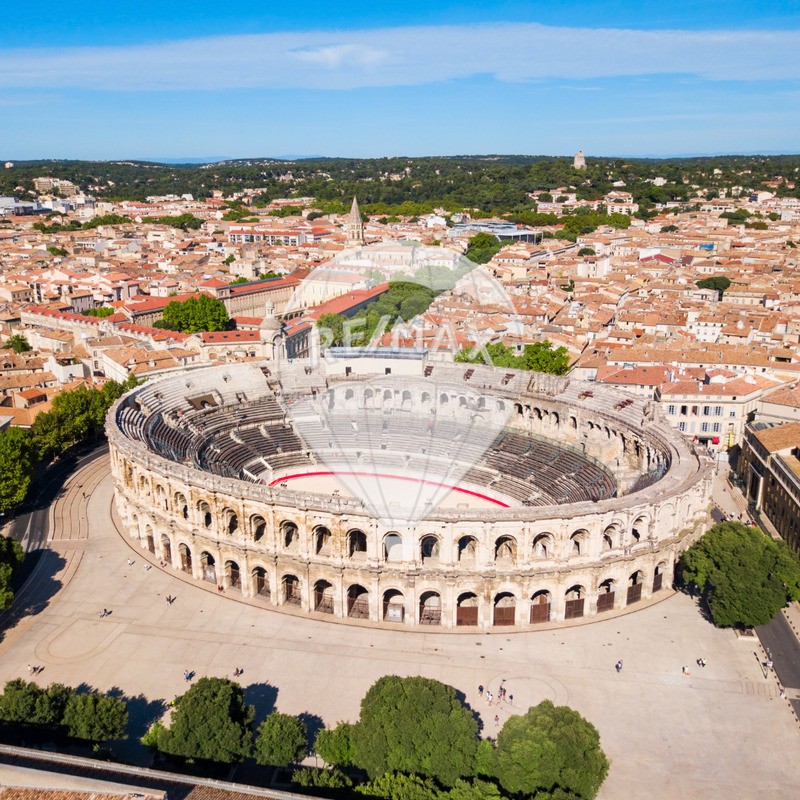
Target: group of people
x,y
34,669
238,671
502,694
104,613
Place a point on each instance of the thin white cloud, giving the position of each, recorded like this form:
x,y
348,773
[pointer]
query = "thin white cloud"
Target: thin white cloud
x,y
406,56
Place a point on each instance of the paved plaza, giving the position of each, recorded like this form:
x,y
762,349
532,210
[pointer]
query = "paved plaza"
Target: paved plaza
x,y
721,732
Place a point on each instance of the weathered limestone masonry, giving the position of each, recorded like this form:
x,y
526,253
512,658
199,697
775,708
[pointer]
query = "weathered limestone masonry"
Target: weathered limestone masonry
x,y
181,499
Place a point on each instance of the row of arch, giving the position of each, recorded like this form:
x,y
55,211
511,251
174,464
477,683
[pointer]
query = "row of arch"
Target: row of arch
x,y
545,546
502,608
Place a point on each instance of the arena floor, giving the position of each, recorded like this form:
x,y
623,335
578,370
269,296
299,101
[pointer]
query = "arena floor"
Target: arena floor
x,y
403,491
720,732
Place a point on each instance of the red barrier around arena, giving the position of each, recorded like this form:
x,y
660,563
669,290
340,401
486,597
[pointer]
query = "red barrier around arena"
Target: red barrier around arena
x,y
488,499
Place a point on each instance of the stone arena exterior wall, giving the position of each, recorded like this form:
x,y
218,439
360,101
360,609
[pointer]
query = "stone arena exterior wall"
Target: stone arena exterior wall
x,y
517,566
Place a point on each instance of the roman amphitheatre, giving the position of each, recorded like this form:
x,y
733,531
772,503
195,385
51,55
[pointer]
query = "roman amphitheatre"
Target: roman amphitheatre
x,y
383,487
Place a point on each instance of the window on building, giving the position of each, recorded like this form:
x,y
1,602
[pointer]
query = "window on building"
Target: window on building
x,y
716,427
731,413
671,410
683,410
717,411
706,411
704,427
682,427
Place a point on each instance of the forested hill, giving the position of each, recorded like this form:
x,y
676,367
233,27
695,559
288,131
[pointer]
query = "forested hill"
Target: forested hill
x,y
493,184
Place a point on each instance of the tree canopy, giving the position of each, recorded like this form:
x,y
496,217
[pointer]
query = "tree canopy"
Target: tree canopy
x,y
60,710
11,558
211,722
745,576
335,745
281,740
18,458
195,315
18,343
96,717
415,725
539,357
718,282
550,747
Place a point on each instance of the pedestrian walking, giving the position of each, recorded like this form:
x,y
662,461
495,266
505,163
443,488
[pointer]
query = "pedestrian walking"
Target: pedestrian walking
x,y
480,690
618,666
30,670
511,699
497,719
489,697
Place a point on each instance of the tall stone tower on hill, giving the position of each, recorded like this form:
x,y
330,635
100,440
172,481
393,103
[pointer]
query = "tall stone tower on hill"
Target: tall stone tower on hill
x,y
579,162
354,226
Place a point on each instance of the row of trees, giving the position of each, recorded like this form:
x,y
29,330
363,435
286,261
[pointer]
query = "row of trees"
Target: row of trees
x,y
497,184
75,417
415,737
538,357
59,711
401,302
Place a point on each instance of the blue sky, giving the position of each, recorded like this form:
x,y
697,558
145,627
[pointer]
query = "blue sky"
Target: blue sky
x,y
179,79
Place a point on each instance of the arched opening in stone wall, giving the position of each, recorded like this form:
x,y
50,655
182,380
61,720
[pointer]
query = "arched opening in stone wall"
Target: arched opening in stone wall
x,y
658,576
258,527
393,547
231,521
260,582
429,549
430,608
233,577
185,555
357,545
606,595
505,550
635,587
181,506
467,549
540,607
467,609
323,597
394,609
204,510
575,601
543,546
505,609
209,566
639,529
290,537
166,549
357,602
150,538
611,537
322,541
291,590
578,542
161,498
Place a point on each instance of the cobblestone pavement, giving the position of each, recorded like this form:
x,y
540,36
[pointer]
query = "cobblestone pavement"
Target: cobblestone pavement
x,y
719,732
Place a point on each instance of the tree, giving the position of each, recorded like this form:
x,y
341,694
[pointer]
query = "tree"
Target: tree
x,y
194,315
745,576
11,558
321,779
96,717
25,703
550,747
397,786
18,343
539,357
101,311
586,251
280,741
415,725
482,247
335,745
17,465
669,229
211,721
718,282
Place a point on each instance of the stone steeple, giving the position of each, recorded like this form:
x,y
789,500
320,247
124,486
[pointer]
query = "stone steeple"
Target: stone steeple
x,y
354,228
